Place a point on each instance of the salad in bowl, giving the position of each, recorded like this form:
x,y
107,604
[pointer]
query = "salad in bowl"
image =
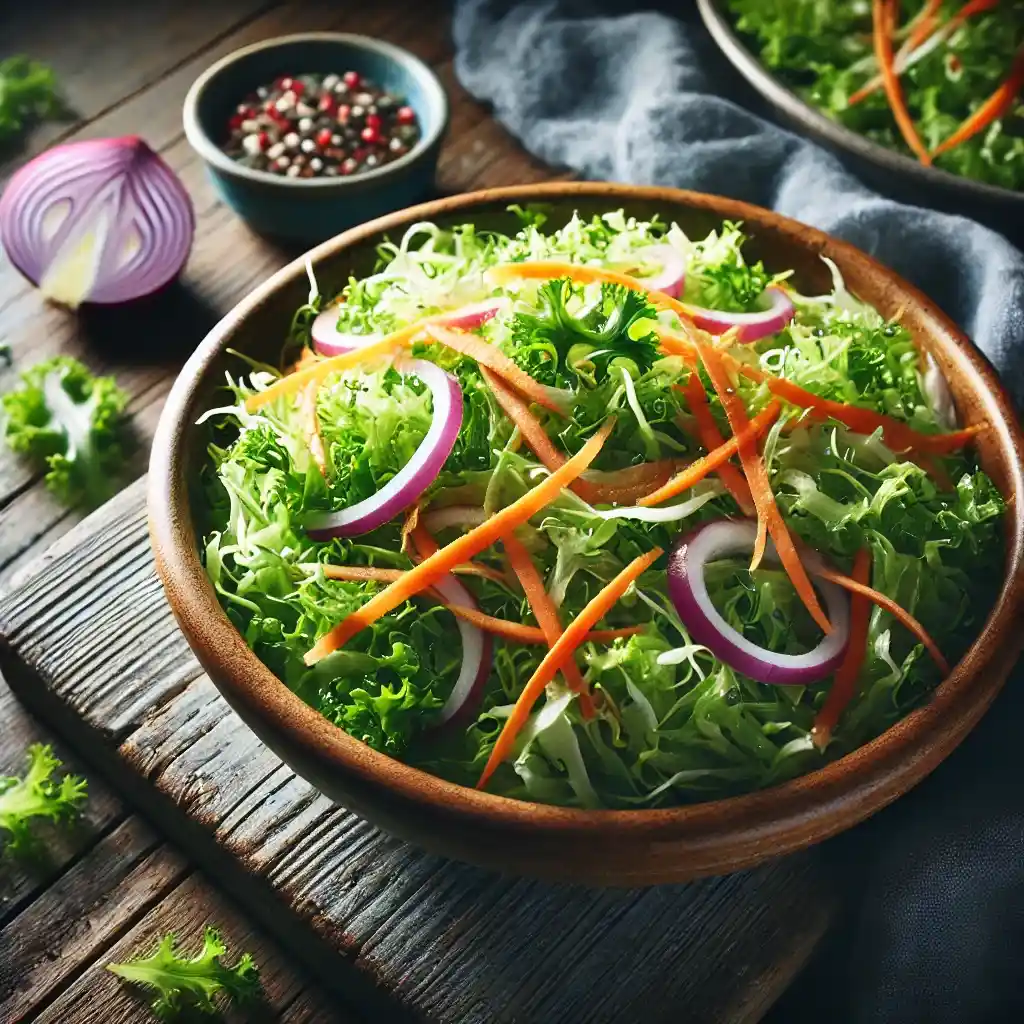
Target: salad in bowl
x,y
600,515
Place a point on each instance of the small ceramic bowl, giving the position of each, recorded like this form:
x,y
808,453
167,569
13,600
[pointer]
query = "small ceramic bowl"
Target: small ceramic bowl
x,y
312,209
629,847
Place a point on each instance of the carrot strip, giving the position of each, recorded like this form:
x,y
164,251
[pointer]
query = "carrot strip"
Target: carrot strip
x,y
546,614
897,435
544,270
998,104
883,14
493,358
889,605
711,438
760,486
323,368
623,487
844,685
506,628
561,651
431,569
696,471
314,441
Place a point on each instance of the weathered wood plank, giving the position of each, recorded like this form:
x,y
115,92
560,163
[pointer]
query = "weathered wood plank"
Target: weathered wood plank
x,y
98,997
444,941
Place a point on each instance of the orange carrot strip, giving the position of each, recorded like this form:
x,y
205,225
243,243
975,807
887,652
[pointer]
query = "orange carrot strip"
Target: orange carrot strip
x,y
546,614
844,685
883,14
323,368
889,605
493,358
314,441
696,471
431,569
760,486
998,104
544,270
506,628
623,487
711,438
561,651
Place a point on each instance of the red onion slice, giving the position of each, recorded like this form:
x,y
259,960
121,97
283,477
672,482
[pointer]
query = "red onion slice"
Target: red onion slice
x,y
689,594
104,221
751,326
416,475
477,653
328,341
672,276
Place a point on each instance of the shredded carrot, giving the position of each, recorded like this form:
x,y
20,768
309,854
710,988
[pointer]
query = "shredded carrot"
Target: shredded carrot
x,y
431,569
518,631
711,438
543,270
323,368
493,358
888,604
560,653
883,14
844,685
314,442
696,471
761,488
998,104
622,487
546,614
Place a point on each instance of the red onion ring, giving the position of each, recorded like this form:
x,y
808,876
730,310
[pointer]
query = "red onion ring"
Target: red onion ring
x,y
104,221
707,627
328,341
416,475
672,276
477,653
751,326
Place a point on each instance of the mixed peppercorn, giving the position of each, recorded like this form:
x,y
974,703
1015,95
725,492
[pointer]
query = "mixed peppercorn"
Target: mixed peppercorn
x,y
312,126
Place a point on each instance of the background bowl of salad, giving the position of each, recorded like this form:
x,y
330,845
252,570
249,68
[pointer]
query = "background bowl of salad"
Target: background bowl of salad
x,y
959,65
693,769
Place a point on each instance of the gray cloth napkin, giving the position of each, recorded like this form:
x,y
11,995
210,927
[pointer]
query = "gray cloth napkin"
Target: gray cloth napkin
x,y
936,924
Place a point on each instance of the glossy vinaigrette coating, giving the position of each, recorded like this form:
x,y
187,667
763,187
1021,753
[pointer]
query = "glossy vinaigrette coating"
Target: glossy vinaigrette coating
x,y
843,442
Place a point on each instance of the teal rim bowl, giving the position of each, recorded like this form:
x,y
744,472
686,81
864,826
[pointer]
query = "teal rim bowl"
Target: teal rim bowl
x,y
313,209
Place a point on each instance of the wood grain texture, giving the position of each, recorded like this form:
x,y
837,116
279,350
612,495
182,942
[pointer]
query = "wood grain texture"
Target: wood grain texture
x,y
408,932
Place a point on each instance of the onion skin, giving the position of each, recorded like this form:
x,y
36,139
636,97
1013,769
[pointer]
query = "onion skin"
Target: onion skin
x,y
417,475
104,221
750,327
706,626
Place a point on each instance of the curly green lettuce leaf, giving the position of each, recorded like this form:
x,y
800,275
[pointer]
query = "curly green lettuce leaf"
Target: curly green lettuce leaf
x,y
195,984
73,424
37,795
28,93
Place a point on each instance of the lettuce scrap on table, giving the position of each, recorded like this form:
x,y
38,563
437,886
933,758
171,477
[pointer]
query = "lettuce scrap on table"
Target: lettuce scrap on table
x,y
442,525
938,79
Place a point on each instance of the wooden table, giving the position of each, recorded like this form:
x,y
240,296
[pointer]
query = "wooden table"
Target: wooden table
x,y
113,883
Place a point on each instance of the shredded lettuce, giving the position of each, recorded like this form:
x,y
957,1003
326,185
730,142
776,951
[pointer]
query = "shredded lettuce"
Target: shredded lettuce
x,y
674,723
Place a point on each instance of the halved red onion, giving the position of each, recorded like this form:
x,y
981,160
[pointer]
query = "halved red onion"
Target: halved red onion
x,y
104,221
329,341
417,474
672,276
751,326
477,653
689,593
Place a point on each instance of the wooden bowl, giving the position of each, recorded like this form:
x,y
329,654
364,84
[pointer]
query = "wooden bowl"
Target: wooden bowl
x,y
891,172
600,847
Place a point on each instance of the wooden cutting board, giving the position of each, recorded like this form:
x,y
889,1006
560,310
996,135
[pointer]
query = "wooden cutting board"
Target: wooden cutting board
x,y
89,644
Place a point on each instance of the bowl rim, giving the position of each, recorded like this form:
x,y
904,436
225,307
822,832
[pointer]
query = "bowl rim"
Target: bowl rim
x,y
816,122
762,823
204,145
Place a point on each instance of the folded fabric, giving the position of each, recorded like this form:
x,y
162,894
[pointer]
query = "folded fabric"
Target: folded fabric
x,y
936,928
